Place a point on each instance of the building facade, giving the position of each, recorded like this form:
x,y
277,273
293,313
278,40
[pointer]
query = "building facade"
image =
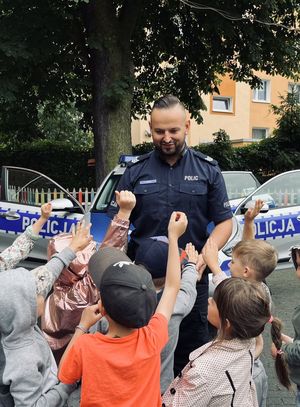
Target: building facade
x,y
244,113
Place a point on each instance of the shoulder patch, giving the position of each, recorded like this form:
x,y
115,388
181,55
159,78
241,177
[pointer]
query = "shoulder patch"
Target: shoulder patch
x,y
204,157
139,158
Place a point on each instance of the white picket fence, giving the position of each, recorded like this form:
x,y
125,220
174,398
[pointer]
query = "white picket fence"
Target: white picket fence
x,y
85,196
40,196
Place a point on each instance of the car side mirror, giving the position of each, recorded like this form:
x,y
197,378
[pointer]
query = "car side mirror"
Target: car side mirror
x,y
251,204
63,204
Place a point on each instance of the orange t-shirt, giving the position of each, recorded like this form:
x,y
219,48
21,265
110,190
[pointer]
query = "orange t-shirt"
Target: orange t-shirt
x,y
118,371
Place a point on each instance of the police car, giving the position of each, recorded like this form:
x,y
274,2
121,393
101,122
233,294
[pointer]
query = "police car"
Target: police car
x,y
280,224
23,191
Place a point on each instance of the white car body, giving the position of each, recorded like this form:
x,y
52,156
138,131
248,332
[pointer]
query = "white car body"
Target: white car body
x,y
280,225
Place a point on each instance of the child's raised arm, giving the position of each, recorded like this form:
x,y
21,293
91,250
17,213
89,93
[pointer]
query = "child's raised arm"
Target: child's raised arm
x,y
210,256
89,317
46,275
250,215
177,226
22,246
45,214
192,254
117,232
126,202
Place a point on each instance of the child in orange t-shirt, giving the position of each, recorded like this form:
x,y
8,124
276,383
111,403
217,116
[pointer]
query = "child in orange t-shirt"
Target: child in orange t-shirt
x,y
122,368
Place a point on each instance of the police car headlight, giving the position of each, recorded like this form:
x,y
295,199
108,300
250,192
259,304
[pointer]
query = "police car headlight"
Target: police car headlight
x,y
235,237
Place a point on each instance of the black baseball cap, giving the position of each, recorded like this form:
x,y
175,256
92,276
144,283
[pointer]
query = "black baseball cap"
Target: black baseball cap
x,y
126,289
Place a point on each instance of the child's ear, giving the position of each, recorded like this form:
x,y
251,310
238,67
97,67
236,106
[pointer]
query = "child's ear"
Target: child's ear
x,y
246,272
228,327
249,273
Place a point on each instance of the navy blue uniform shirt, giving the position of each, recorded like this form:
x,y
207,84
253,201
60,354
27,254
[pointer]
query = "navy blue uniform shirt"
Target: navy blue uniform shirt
x,y
194,185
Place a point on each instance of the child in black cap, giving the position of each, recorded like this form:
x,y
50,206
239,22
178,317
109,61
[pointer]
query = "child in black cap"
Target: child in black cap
x,y
152,253
122,368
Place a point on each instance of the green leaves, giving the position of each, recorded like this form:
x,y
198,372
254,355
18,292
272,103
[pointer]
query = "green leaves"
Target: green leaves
x,y
122,53
287,133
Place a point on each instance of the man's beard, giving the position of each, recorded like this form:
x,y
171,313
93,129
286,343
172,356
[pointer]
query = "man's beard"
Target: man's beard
x,y
174,150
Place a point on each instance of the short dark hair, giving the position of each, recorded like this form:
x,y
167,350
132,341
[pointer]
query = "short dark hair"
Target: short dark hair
x,y
166,102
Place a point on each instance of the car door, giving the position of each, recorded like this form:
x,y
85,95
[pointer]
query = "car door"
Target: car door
x,y
22,193
280,226
98,211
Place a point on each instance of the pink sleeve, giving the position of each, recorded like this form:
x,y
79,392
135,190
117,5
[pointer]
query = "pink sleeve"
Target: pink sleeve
x,y
117,234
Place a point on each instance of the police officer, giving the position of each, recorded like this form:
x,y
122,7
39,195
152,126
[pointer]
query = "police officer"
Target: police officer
x,y
171,178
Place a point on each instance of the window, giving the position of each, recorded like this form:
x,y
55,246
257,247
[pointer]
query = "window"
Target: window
x,y
32,188
239,184
260,133
280,192
294,88
262,93
222,104
107,192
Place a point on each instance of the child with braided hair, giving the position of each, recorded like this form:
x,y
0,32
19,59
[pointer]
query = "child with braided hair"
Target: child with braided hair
x,y
220,372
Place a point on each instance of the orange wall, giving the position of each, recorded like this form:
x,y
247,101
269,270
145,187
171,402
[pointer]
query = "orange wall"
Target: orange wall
x,y
239,123
235,124
226,88
261,114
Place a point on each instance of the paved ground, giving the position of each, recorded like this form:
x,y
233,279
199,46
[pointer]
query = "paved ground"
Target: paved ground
x,y
285,289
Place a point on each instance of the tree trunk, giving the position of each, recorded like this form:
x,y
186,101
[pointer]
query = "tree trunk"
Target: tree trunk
x,y
112,86
111,118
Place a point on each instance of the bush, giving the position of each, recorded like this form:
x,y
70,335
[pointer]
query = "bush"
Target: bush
x,y
221,150
64,164
143,148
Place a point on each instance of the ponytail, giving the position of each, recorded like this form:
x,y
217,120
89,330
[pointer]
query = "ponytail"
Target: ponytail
x,y
280,360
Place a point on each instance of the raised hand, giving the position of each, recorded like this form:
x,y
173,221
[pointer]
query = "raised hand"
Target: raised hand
x,y
191,252
251,213
80,237
177,224
45,214
90,316
126,202
46,210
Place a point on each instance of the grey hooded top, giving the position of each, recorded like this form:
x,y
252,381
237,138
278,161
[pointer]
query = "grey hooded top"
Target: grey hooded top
x,y
28,372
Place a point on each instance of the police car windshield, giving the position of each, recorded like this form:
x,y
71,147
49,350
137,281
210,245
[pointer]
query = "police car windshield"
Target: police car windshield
x,y
107,193
239,185
31,188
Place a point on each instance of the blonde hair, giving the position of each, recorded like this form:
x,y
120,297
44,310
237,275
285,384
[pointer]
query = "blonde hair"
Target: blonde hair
x,y
257,254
